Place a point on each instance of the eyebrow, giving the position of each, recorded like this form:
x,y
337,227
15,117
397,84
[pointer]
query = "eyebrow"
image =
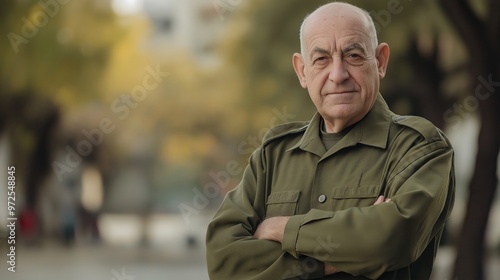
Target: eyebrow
x,y
354,46
318,50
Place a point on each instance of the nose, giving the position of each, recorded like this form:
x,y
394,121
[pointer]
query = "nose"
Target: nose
x,y
338,71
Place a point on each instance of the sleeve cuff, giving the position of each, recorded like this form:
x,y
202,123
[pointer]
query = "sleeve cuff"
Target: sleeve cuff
x,y
291,234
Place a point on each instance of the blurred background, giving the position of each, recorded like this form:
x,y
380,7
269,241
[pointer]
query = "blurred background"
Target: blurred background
x,y
127,121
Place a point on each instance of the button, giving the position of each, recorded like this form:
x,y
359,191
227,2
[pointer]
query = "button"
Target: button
x,y
322,198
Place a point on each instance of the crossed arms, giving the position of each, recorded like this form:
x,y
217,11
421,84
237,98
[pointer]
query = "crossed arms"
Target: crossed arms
x,y
274,228
364,241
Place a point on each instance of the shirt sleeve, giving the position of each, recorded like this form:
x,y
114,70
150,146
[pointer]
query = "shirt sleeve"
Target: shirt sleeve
x,y
371,240
232,250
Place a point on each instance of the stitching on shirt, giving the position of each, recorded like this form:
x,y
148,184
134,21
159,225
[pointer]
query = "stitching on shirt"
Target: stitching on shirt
x,y
430,148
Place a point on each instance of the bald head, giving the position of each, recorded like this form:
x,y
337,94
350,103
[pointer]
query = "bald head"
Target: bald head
x,y
339,10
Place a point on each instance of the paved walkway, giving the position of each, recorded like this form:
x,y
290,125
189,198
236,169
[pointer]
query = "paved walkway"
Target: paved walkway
x,y
111,263
96,263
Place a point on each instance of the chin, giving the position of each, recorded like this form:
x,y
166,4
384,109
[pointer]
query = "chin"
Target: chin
x,y
342,112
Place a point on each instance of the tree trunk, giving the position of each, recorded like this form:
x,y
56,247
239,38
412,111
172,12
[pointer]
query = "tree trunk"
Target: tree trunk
x,y
470,246
481,39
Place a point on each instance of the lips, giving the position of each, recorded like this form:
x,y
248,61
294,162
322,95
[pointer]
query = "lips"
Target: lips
x,y
340,92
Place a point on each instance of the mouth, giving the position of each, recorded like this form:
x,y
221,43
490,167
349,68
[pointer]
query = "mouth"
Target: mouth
x,y
340,92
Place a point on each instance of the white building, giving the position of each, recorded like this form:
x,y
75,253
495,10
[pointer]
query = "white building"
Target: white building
x,y
193,25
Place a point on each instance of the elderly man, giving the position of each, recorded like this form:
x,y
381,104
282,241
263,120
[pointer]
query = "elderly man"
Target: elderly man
x,y
356,193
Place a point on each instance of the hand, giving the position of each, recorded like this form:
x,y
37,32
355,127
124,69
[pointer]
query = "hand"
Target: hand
x,y
330,269
381,199
272,229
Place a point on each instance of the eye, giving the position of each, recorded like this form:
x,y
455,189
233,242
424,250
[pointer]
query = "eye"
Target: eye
x,y
354,58
320,60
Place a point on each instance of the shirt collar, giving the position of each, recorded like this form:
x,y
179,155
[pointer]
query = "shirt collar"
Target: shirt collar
x,y
372,130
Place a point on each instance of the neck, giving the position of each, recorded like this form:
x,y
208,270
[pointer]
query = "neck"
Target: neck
x,y
337,125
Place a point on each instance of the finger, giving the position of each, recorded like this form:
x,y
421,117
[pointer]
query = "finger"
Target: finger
x,y
380,199
388,200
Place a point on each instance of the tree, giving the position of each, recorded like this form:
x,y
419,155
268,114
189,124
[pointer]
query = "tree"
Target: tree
x,y
52,55
481,36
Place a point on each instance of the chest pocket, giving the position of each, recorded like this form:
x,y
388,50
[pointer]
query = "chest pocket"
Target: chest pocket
x,y
282,203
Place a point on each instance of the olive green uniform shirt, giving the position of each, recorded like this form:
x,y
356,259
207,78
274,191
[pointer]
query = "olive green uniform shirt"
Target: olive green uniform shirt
x,y
330,195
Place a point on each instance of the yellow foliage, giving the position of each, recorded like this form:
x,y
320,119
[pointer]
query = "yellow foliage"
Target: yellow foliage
x,y
186,148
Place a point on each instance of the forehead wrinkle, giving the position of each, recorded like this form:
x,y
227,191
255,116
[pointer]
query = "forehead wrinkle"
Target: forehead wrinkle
x,y
364,23
337,25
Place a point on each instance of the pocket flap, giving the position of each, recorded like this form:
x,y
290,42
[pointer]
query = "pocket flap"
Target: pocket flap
x,y
356,191
283,197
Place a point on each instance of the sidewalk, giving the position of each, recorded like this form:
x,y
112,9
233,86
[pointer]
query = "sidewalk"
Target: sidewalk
x,y
51,262
106,263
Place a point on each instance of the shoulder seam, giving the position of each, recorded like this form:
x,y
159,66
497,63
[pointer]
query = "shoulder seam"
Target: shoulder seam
x,y
434,134
270,136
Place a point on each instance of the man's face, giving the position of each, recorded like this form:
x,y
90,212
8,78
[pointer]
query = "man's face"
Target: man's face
x,y
340,67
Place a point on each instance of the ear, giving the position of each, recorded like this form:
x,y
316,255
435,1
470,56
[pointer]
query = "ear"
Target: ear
x,y
298,65
382,54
